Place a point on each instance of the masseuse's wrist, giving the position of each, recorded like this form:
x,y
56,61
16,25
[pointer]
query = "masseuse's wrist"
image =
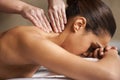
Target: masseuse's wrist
x,y
21,7
52,2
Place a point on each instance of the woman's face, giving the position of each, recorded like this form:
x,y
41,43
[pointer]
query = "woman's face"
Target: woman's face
x,y
79,40
79,43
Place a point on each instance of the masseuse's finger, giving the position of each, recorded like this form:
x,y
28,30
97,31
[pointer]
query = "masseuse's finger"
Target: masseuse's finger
x,y
61,27
41,15
36,16
47,23
57,10
64,18
29,14
57,22
33,20
52,21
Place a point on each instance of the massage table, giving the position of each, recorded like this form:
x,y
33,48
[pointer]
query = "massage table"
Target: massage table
x,y
45,74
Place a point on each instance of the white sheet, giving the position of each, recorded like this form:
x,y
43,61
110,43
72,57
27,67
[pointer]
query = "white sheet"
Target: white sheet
x,y
44,74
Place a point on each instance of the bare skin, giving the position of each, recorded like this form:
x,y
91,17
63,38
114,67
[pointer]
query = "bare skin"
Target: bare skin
x,y
24,49
36,15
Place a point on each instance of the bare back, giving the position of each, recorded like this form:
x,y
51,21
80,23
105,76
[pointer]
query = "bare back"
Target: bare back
x,y
12,60
23,50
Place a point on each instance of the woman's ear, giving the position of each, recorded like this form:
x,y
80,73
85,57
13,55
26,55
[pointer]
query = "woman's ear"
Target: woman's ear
x,y
80,22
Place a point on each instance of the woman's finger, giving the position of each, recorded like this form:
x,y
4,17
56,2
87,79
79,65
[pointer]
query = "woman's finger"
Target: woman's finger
x,y
110,47
95,53
107,48
113,47
98,53
101,53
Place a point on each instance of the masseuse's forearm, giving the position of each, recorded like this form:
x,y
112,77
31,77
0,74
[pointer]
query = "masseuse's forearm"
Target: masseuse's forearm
x,y
11,6
51,2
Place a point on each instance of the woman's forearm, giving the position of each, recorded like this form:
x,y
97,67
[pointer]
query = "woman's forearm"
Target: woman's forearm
x,y
11,6
111,63
63,62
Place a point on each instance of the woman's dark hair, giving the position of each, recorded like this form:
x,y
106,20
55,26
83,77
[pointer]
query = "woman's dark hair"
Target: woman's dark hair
x,y
98,15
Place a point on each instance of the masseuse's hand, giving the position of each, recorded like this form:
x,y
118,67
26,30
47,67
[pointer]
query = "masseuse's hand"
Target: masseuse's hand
x,y
37,17
57,14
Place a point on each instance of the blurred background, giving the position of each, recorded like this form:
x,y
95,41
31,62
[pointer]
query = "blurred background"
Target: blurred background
x,y
11,20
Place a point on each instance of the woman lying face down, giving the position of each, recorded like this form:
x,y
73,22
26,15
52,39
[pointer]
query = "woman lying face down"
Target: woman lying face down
x,y
89,29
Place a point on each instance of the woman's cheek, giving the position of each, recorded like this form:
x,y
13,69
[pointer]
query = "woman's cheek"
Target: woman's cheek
x,y
85,49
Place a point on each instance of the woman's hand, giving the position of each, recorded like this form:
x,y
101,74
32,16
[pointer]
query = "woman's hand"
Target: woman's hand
x,y
57,14
101,52
98,52
36,16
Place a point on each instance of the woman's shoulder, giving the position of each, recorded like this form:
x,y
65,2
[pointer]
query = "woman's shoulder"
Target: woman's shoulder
x,y
22,30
